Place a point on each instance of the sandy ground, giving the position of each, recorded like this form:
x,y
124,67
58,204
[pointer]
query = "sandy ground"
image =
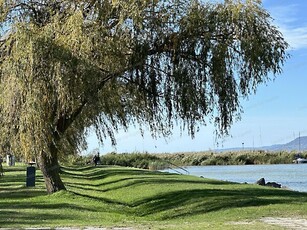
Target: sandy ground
x,y
283,223
73,228
287,223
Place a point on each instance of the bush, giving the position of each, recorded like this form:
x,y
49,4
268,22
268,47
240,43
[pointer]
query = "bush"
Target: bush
x,y
73,159
230,158
162,161
136,160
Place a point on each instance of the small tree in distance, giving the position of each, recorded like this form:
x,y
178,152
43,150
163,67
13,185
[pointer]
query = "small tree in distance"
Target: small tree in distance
x,y
68,66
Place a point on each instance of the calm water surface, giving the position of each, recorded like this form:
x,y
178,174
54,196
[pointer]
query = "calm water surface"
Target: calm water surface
x,y
292,176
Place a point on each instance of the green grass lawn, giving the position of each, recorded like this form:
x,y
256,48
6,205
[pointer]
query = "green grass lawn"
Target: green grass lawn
x,y
140,199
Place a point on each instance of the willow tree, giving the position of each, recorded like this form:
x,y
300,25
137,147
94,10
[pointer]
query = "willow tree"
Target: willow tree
x,y
71,66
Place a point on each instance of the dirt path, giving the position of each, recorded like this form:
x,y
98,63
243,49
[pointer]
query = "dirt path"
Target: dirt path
x,y
73,228
288,223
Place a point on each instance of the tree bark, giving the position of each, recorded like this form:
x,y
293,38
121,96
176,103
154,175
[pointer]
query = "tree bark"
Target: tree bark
x,y
48,163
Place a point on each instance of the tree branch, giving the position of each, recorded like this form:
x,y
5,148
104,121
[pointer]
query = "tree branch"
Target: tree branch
x,y
66,120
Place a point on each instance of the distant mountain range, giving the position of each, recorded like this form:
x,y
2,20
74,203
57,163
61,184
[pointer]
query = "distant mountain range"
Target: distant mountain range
x,y
297,144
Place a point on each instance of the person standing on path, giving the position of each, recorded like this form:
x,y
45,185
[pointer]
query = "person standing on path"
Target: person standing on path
x,y
95,160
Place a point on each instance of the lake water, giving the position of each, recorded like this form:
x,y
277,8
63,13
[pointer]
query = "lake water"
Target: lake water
x,y
292,176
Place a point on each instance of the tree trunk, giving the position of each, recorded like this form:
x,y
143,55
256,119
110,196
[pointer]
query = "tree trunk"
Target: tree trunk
x,y
49,165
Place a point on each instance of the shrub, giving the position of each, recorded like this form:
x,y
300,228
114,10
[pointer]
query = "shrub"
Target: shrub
x,y
136,160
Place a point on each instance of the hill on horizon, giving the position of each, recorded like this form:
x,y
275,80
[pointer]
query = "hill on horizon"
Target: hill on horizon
x,y
298,144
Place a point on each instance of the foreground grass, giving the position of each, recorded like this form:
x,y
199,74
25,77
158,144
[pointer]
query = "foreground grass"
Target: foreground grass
x,y
109,197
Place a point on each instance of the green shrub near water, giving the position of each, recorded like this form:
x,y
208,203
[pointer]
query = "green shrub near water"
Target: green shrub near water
x,y
230,158
136,160
166,160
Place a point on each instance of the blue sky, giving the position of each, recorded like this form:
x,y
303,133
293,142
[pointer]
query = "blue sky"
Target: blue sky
x,y
276,114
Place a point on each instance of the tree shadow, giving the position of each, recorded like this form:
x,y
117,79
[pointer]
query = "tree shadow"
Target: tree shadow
x,y
101,172
100,199
13,193
173,203
211,200
138,179
16,218
125,177
200,196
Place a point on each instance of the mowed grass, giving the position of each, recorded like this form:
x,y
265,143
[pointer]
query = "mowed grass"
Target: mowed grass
x,y
140,199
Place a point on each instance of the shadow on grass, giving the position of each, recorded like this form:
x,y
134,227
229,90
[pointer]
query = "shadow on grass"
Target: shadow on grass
x,y
199,196
202,201
101,199
14,193
191,202
126,177
17,218
40,205
174,203
101,172
127,182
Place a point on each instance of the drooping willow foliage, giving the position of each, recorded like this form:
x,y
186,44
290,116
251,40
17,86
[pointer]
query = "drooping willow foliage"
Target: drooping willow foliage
x,y
66,66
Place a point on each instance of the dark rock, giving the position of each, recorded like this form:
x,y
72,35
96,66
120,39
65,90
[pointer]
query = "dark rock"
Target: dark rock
x,y
273,184
261,182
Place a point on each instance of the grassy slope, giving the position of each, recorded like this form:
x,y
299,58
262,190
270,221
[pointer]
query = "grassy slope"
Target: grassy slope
x,y
105,196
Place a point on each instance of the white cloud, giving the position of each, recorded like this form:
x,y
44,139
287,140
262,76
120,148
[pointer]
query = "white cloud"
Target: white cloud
x,y
294,29
296,37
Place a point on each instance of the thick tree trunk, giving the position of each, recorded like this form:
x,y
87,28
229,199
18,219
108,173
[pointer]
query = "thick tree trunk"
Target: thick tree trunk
x,y
49,165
